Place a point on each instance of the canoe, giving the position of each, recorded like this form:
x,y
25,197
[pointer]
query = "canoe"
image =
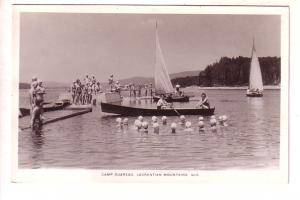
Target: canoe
x,y
173,99
135,111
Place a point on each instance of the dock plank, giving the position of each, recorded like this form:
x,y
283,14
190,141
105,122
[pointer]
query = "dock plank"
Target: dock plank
x,y
50,117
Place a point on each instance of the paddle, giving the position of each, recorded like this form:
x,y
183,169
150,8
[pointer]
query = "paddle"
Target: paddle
x,y
176,111
171,106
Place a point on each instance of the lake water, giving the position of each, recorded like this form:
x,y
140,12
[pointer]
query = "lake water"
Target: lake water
x,y
93,141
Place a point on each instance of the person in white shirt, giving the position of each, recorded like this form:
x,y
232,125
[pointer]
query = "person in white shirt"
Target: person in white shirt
x,y
161,103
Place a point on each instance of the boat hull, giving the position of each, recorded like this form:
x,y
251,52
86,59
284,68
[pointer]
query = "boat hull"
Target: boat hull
x,y
254,95
134,111
250,93
46,108
173,99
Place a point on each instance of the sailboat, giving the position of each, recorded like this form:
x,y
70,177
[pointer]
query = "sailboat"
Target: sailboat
x,y
255,88
162,80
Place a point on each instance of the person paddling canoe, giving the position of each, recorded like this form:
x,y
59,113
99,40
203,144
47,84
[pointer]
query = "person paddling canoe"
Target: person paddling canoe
x,y
161,103
203,103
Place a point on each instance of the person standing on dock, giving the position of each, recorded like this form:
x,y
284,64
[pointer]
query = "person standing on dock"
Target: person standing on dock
x,y
146,90
151,90
131,90
140,90
98,88
40,91
89,94
86,80
36,92
134,90
118,87
78,92
32,92
73,90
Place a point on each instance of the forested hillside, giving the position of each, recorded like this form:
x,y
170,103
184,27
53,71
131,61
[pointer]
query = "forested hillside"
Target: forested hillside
x,y
233,72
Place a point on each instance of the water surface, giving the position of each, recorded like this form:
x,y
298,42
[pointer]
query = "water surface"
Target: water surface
x,y
93,141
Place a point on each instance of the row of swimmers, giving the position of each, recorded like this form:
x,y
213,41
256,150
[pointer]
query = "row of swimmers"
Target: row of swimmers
x,y
142,125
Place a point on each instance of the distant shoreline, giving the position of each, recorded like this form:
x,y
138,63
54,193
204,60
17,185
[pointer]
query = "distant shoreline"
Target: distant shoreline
x,y
266,87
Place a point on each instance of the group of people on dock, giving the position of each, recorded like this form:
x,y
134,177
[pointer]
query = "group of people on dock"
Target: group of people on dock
x,y
139,90
134,89
36,98
83,91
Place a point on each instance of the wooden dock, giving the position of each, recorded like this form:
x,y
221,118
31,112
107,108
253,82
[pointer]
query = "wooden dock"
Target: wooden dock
x,y
54,116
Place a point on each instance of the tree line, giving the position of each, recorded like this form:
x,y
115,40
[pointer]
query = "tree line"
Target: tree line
x,y
233,72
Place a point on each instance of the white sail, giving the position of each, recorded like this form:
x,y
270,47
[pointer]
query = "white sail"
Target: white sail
x,y
255,80
161,74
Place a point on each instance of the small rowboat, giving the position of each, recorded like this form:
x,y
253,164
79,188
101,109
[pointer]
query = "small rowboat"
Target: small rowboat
x,y
135,111
46,108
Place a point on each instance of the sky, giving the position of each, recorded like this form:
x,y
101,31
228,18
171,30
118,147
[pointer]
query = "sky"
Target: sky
x,y
61,47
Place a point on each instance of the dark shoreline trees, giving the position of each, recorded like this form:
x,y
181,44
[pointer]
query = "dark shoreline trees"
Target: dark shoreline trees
x,y
233,72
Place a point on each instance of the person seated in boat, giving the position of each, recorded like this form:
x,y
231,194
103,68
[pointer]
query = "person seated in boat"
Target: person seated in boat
x,y
203,103
161,103
180,93
177,89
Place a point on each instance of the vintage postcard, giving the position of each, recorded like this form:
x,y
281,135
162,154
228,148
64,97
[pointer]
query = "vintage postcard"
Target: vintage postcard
x,y
150,93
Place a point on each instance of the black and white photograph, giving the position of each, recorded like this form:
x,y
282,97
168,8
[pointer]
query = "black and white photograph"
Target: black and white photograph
x,y
151,92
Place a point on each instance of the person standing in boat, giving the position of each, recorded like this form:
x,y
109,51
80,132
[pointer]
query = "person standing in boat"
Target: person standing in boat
x,y
203,103
111,82
161,103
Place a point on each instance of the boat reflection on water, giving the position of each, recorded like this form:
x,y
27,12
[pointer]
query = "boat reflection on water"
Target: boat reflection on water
x,y
256,104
